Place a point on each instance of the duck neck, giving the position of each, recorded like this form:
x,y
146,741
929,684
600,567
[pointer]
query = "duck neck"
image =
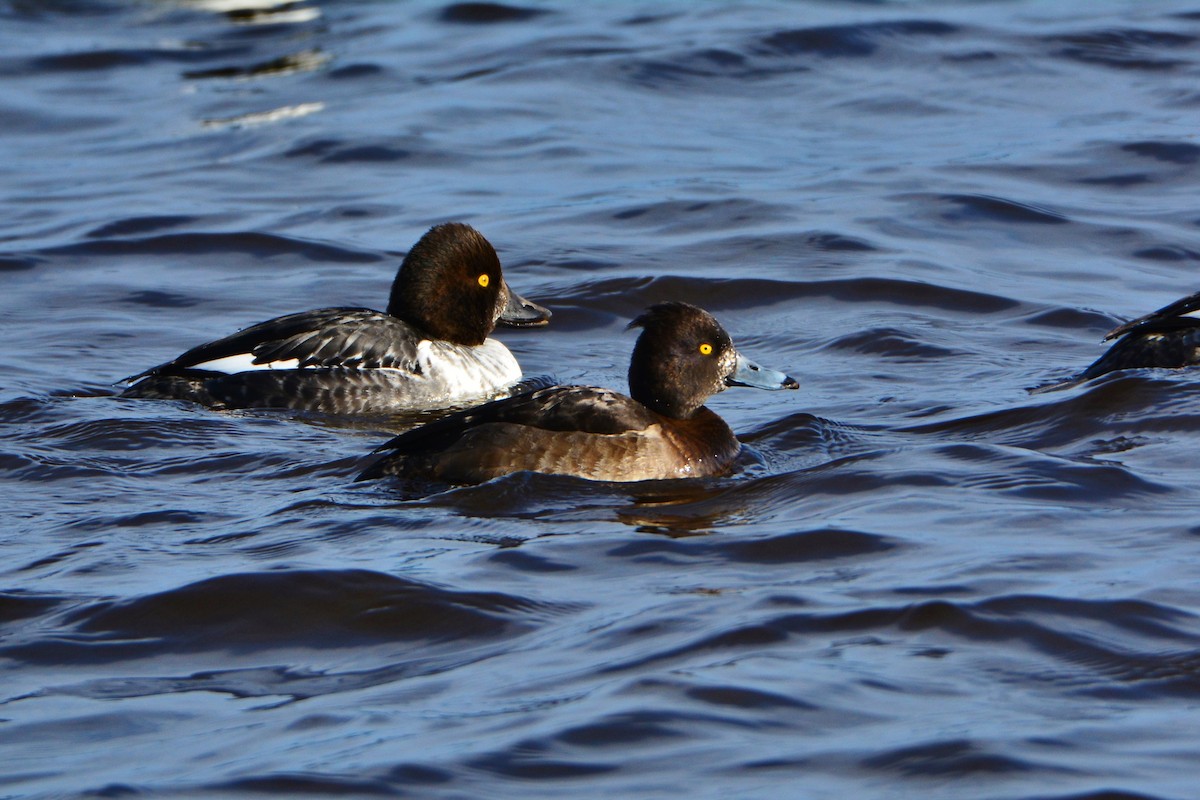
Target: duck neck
x,y
658,390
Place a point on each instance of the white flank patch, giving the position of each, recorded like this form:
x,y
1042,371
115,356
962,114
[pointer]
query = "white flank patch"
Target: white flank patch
x,y
458,371
448,372
244,362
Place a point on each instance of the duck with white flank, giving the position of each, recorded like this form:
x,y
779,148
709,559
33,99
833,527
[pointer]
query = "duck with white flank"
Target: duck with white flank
x,y
429,350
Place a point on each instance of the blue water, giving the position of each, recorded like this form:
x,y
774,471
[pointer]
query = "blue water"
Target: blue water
x,y
922,581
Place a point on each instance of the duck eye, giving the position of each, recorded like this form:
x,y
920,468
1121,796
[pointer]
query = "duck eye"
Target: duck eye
x,y
706,349
484,280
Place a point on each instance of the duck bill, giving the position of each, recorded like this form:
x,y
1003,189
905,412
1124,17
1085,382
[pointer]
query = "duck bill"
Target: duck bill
x,y
747,373
521,313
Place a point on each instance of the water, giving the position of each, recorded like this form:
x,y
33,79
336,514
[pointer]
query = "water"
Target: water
x,y
923,581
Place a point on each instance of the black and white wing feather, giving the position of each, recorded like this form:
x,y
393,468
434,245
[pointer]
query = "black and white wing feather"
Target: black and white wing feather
x,y
329,337
1179,315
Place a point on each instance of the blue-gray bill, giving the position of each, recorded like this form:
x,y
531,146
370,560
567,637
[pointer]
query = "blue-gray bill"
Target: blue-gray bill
x,y
522,313
747,373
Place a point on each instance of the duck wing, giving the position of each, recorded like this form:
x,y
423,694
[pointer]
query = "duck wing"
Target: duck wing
x,y
1174,317
583,409
329,337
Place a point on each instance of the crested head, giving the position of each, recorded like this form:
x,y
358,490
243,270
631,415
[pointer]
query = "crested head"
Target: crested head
x,y
680,359
450,285
683,356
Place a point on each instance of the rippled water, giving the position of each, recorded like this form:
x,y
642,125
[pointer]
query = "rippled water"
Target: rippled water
x,y
923,581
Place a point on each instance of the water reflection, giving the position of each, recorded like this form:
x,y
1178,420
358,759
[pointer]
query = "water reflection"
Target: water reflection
x,y
249,63
671,508
304,61
257,12
265,117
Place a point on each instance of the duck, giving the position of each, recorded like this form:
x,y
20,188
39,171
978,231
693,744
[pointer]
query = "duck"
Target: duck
x,y
430,349
660,430
1168,338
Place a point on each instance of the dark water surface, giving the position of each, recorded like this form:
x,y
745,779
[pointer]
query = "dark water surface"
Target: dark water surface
x,y
923,582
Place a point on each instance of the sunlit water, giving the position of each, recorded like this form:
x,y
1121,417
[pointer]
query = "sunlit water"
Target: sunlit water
x,y
922,582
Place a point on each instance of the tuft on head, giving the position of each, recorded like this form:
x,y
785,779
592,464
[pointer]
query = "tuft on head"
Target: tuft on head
x,y
672,313
668,372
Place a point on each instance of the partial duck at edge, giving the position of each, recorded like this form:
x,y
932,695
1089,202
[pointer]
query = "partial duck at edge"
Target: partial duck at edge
x,y
1168,338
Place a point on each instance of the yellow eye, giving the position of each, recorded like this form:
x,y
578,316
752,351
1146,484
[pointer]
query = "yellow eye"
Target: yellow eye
x,y
706,349
484,280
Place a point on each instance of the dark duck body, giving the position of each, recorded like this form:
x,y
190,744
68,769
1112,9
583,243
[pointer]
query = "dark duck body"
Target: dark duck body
x,y
429,350
1167,338
660,430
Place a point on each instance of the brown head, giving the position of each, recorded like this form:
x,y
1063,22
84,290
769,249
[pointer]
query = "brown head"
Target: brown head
x,y
683,356
451,286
